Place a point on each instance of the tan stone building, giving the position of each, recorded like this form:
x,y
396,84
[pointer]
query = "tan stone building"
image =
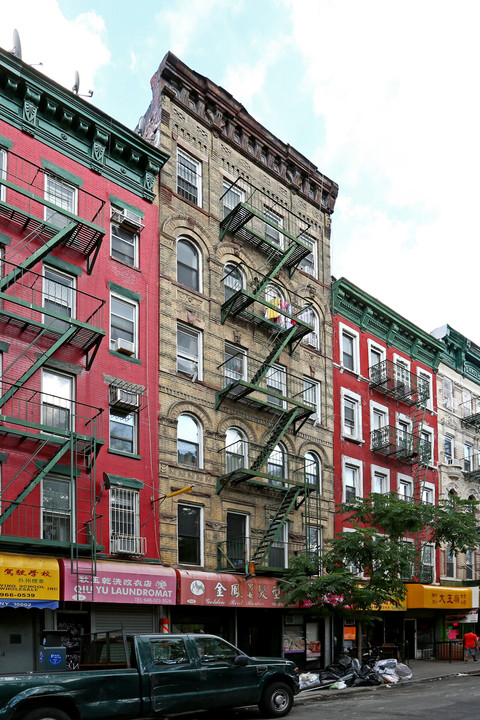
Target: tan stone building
x,y
245,363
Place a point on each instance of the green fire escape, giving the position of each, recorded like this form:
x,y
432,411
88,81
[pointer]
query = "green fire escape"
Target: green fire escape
x,y
46,316
281,237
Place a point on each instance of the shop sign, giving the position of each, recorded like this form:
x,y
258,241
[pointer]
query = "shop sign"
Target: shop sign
x,y
469,617
27,581
119,583
293,641
224,590
314,649
439,597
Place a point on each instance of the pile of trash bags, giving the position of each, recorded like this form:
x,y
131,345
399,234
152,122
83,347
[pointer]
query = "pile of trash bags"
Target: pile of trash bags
x,y
348,672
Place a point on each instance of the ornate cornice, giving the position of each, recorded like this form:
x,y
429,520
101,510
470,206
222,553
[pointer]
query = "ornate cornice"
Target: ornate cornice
x,y
63,120
225,117
460,353
371,315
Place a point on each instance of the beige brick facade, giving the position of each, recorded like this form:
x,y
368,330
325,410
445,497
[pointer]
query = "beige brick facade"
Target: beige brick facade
x,y
192,114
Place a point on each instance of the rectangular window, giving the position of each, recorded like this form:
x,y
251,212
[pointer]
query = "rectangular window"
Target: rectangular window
x,y
405,489
123,326
448,450
189,177
64,196
232,196
468,458
447,388
190,535
314,540
237,540
469,565
351,415
272,234
376,362
125,522
276,381
59,297
426,446
404,435
123,432
425,388
312,395
349,349
56,509
235,364
352,480
401,374
309,263
189,352
278,553
3,173
427,496
57,401
380,482
450,563
124,244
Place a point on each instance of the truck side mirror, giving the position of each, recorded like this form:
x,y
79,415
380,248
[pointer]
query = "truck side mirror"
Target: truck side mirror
x,y
241,660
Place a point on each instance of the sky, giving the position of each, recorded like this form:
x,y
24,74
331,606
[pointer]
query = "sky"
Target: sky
x,y
381,95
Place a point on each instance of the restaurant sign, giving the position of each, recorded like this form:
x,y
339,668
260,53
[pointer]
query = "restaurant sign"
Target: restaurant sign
x,y
224,590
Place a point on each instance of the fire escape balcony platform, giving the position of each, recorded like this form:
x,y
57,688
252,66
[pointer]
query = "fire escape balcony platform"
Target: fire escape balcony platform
x,y
472,419
399,383
404,446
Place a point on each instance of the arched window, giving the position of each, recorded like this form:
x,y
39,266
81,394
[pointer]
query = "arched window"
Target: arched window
x,y
188,264
236,449
232,280
313,470
310,317
189,441
277,465
275,297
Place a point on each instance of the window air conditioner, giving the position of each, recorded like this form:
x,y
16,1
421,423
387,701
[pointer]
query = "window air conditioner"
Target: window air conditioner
x,y
129,545
124,346
120,398
128,218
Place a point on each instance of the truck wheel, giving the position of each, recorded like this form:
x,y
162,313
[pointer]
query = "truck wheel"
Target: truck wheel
x,y
46,713
277,700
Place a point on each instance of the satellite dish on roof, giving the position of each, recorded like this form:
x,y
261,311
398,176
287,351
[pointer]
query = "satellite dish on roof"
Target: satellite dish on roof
x,y
17,46
141,125
76,84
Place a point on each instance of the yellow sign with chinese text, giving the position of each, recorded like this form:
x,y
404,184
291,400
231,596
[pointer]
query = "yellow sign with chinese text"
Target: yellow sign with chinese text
x,y
437,597
23,577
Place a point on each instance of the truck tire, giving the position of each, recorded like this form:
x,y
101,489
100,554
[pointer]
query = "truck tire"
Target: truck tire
x,y
46,713
277,700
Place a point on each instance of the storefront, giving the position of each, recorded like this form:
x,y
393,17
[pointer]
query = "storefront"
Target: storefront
x,y
29,586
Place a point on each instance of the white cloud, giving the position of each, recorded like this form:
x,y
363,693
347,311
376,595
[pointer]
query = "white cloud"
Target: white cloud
x,y
61,45
182,22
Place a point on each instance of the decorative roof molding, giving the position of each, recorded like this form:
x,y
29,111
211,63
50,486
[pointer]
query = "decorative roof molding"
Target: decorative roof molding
x,y
459,353
224,116
371,315
63,120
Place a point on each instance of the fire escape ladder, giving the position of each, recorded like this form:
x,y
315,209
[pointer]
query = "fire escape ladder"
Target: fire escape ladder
x,y
277,522
276,434
36,479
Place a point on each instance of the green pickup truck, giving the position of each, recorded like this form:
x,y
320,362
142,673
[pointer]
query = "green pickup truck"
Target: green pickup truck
x,y
125,677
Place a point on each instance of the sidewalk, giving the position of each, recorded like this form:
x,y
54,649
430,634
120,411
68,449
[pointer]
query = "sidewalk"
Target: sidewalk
x,y
422,671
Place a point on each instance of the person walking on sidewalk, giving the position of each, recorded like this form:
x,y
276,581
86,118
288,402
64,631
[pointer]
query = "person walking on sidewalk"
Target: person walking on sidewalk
x,y
470,644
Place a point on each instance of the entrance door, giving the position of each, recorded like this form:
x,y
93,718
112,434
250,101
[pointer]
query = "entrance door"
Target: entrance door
x,y
410,638
16,641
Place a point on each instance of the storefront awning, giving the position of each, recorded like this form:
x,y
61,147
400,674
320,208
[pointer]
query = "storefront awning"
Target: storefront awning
x,y
118,582
438,597
29,581
224,590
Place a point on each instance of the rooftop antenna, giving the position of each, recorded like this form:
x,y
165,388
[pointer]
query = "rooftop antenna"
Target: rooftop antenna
x,y
76,86
17,46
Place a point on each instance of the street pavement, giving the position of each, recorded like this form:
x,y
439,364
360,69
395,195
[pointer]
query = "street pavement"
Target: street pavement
x,y
422,671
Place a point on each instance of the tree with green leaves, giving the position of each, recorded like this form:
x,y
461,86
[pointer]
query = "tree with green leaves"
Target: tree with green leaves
x,y
369,565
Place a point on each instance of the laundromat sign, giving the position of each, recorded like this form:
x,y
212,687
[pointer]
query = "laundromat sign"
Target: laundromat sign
x,y
223,590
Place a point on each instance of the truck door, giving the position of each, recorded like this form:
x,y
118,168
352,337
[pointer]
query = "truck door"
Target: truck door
x,y
174,678
222,683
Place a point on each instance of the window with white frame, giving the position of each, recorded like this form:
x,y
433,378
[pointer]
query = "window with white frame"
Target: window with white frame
x,y
313,470
350,566
380,480
312,396
426,445
428,494
352,475
349,349
237,539
58,296
309,316
124,244
56,509
404,432
425,385
125,521
401,374
58,392
449,449
190,534
428,562
236,449
314,541
376,355
3,173
447,392
64,196
450,563
351,411
470,565
189,441
123,326
189,177
275,297
235,363
467,403
278,551
468,457
378,416
276,381
233,195
189,352
188,265
233,280
277,465
272,234
405,488
309,264
123,432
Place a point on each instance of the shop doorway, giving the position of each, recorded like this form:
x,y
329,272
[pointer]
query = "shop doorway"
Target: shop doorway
x,y
410,634
17,647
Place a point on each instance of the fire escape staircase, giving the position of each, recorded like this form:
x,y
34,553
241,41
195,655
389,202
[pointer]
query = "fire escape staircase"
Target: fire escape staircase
x,y
287,504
